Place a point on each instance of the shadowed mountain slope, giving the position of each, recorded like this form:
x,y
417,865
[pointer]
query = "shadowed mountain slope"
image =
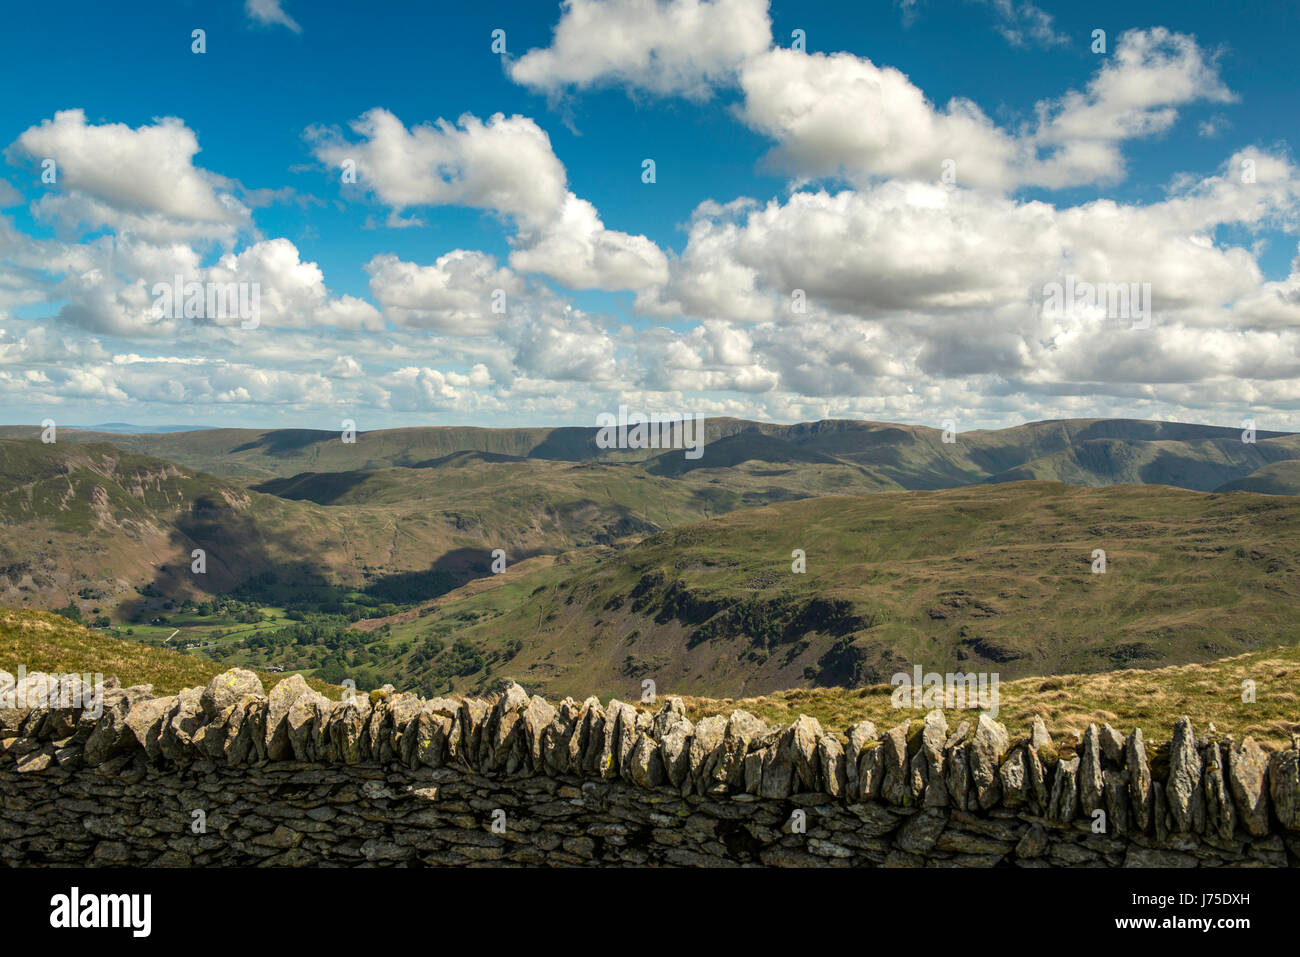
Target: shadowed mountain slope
x,y
1278,478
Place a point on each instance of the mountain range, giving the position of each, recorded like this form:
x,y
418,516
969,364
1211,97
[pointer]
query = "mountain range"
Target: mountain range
x,y
1078,451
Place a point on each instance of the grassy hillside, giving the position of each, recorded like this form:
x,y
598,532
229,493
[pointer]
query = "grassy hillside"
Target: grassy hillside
x,y
1279,478
97,520
40,641
256,454
96,526
93,525
1209,693
1201,464
989,578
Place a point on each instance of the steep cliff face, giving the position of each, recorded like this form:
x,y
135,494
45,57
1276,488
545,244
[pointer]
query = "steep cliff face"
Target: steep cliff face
x,y
229,775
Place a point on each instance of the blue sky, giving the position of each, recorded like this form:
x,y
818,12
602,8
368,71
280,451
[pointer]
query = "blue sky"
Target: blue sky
x,y
924,302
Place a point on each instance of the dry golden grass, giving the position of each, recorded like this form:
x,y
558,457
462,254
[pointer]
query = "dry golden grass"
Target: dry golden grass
x,y
1152,700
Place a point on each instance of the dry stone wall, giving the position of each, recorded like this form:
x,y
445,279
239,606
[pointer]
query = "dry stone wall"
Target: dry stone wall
x,y
229,775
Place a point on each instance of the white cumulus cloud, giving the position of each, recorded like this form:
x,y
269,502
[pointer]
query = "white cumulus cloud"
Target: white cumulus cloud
x,y
662,46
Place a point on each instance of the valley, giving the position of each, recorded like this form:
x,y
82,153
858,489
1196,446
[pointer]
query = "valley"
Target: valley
x,y
374,561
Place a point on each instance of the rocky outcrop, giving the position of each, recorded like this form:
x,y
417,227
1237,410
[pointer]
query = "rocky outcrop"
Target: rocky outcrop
x,y
291,777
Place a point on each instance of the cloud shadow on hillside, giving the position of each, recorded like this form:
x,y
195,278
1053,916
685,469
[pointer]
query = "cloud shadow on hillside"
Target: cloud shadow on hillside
x,y
449,572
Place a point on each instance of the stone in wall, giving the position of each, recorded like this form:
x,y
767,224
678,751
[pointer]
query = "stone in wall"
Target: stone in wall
x,y
290,778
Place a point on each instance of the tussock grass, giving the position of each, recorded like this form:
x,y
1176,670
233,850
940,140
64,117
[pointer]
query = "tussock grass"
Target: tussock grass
x,y
1152,700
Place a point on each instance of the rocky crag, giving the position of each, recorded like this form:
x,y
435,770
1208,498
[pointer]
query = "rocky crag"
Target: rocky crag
x,y
230,775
